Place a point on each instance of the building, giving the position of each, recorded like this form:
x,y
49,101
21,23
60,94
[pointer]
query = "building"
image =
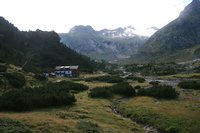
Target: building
x,y
67,71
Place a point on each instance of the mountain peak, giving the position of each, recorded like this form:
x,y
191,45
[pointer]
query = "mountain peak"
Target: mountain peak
x,y
130,27
81,29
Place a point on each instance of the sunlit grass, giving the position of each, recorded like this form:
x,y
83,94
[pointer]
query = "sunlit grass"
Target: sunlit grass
x,y
182,114
65,119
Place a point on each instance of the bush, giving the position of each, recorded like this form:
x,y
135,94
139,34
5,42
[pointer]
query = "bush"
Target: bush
x,y
154,82
40,77
108,79
160,92
3,68
52,94
123,89
2,61
88,127
101,92
17,80
68,86
138,87
189,85
28,99
11,126
139,79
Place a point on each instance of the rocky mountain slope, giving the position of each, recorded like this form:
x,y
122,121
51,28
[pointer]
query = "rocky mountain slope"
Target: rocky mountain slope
x,y
177,41
106,44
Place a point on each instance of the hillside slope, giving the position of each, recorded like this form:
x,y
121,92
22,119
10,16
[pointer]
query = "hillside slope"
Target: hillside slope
x,y
37,50
177,41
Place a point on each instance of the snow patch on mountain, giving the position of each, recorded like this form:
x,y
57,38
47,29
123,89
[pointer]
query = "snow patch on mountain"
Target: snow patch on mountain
x,y
128,32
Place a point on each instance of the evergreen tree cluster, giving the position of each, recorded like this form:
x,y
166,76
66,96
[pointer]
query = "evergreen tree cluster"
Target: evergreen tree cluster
x,y
38,51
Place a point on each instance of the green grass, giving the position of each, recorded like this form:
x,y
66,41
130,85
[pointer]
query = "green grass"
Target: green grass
x,y
171,116
66,119
12,126
182,76
181,115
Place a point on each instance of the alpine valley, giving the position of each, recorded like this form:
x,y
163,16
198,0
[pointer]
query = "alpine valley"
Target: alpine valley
x,y
71,82
109,45
176,42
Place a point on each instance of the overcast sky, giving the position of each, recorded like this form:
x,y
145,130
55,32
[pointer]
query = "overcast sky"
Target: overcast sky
x,y
61,15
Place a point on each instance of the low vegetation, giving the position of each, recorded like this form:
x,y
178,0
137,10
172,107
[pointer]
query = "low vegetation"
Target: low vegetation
x,y
167,116
88,127
134,78
190,85
68,86
40,77
3,68
154,82
139,79
17,80
101,92
148,117
160,92
52,94
11,126
123,89
108,79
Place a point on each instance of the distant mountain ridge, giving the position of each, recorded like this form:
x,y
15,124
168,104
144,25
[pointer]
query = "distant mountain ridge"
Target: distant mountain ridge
x,y
177,41
37,51
128,32
105,44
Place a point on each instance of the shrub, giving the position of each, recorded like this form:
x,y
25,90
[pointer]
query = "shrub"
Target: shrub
x,y
2,61
68,85
3,68
88,127
154,82
40,77
138,87
1,81
17,80
100,92
123,89
160,92
52,94
11,126
189,85
108,79
28,99
139,79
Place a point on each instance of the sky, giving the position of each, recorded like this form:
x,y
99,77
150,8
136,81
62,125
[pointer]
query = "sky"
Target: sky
x,y
61,15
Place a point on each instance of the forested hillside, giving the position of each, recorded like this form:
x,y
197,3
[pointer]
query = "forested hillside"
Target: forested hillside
x,y
38,50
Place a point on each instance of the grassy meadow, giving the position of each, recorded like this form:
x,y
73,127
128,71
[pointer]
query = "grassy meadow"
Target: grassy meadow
x,y
89,115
